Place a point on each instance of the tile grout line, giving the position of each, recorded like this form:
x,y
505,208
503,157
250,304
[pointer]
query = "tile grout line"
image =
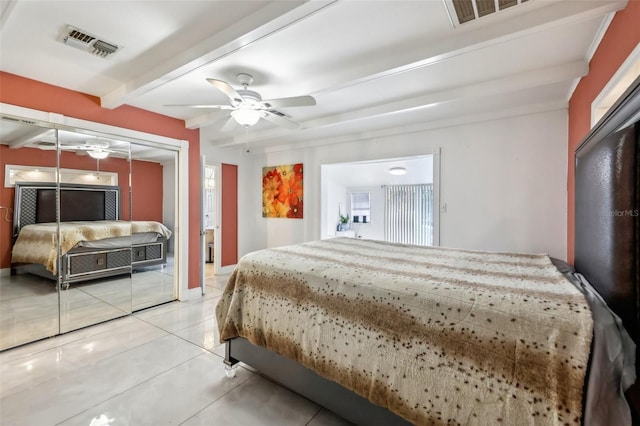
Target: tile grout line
x,y
314,416
251,374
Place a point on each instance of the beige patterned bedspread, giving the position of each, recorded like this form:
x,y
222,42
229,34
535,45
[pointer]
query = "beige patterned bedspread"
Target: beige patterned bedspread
x,y
37,243
438,336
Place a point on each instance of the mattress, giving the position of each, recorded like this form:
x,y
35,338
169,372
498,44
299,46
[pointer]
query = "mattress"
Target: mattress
x,y
37,243
133,239
437,336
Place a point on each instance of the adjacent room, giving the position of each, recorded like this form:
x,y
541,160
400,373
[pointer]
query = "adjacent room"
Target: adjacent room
x,y
324,212
388,200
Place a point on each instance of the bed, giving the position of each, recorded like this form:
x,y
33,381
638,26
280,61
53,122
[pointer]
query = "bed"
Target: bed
x,y
94,243
389,334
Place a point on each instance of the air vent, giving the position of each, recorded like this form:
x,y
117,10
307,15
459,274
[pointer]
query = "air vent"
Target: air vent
x,y
45,143
19,120
82,40
470,10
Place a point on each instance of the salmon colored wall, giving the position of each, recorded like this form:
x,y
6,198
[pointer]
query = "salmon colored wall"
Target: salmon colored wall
x,y
229,215
146,178
622,36
147,203
33,94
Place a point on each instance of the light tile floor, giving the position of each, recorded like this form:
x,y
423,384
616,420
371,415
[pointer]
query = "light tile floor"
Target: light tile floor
x,y
161,366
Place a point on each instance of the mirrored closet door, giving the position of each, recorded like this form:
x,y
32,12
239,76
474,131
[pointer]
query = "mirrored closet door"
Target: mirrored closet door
x,y
28,287
95,229
153,209
104,213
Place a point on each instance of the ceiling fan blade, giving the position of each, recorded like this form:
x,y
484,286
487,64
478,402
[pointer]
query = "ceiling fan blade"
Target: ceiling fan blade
x,y
202,106
280,121
296,101
224,87
229,125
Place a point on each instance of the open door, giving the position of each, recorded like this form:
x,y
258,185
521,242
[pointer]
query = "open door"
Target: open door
x,y
218,219
209,221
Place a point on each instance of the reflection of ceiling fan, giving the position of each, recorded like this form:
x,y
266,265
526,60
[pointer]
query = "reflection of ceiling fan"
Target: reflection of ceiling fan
x,y
96,148
247,106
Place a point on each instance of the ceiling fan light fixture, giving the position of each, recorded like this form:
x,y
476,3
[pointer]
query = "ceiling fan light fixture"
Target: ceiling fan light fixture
x,y
398,171
98,154
246,117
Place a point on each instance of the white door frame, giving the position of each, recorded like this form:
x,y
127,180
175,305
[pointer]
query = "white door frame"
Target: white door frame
x,y
203,231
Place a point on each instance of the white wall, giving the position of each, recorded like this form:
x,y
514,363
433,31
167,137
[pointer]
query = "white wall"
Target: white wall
x,y
336,197
503,184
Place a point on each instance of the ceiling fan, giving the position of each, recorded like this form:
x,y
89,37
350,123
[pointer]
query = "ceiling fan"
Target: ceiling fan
x,y
247,106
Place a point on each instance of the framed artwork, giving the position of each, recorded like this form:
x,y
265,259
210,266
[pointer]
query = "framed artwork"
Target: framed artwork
x,y
282,191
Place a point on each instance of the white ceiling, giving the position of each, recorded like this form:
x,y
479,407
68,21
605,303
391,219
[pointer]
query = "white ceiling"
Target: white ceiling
x,y
373,66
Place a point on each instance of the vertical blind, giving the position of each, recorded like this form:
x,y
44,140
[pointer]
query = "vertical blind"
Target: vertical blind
x,y
409,214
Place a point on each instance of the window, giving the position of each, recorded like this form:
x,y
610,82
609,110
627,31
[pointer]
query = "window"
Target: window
x,y
360,207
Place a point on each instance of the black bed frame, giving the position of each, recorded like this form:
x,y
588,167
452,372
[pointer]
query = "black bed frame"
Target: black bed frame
x,y
607,253
37,203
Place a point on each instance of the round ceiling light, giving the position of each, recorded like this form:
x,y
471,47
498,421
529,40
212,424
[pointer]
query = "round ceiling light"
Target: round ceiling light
x,y
98,153
398,171
246,117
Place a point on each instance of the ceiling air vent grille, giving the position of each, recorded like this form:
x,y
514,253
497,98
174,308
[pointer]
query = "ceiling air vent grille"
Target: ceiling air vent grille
x,y
470,10
82,40
45,144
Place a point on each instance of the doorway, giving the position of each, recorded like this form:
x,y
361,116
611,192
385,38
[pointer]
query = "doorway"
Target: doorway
x,y
210,220
356,199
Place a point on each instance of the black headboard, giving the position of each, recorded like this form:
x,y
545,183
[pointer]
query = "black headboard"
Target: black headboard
x,y
36,203
607,209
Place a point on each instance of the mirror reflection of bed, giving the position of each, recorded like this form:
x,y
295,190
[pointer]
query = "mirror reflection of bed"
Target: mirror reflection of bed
x,y
32,306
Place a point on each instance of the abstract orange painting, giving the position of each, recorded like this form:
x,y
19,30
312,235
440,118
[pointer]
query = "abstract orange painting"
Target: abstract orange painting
x,y
282,191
